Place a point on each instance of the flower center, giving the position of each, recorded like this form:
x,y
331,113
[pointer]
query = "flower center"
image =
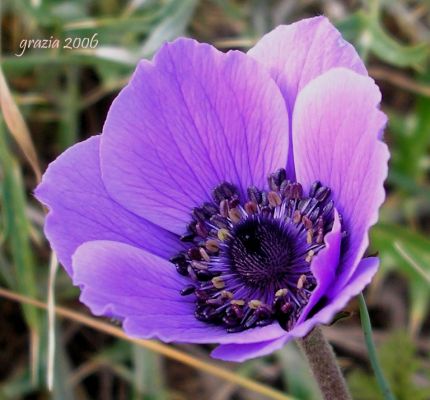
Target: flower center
x,y
249,261
259,251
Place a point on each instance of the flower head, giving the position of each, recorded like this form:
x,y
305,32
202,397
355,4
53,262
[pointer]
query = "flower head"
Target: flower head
x,y
228,199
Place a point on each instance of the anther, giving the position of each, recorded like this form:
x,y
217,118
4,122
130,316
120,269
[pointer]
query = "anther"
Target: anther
x,y
280,176
233,203
296,191
204,275
178,258
225,294
209,209
286,308
281,292
202,230
322,193
199,265
328,210
254,304
314,214
309,236
201,295
223,191
251,207
218,282
238,302
309,256
182,269
320,235
199,214
234,215
223,234
254,194
204,255
212,246
274,199
297,216
219,221
307,223
315,186
188,290
187,237
191,273
223,208
283,187
301,281
194,253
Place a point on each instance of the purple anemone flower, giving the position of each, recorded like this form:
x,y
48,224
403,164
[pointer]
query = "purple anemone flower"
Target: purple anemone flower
x,y
228,199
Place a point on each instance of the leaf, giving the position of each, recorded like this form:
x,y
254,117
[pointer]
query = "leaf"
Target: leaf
x,y
400,363
171,26
17,235
296,373
391,51
148,374
384,238
17,126
372,36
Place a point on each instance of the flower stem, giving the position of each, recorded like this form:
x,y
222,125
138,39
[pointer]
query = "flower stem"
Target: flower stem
x,y
325,369
367,330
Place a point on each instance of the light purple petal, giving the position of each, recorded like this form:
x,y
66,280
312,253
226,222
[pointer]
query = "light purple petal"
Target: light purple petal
x,y
187,121
324,265
297,53
360,279
337,127
142,290
242,352
81,210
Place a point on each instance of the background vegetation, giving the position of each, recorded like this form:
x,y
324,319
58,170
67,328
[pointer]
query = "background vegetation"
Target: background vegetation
x,y
63,96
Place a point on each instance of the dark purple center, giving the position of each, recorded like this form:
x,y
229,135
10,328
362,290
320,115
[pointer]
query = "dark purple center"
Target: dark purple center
x,y
260,251
249,261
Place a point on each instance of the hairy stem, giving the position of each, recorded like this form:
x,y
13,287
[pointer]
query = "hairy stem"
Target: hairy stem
x,y
325,369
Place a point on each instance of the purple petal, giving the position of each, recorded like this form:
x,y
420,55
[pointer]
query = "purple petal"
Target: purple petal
x,y
81,210
324,265
143,291
360,279
242,352
337,128
297,53
187,121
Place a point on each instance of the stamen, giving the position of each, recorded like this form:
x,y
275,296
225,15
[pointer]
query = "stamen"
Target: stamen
x,y
204,255
281,292
274,199
218,282
301,282
223,235
309,256
212,246
234,215
251,208
188,290
249,262
254,304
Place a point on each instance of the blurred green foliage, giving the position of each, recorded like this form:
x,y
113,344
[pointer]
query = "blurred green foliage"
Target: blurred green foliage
x,y
402,369
64,95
